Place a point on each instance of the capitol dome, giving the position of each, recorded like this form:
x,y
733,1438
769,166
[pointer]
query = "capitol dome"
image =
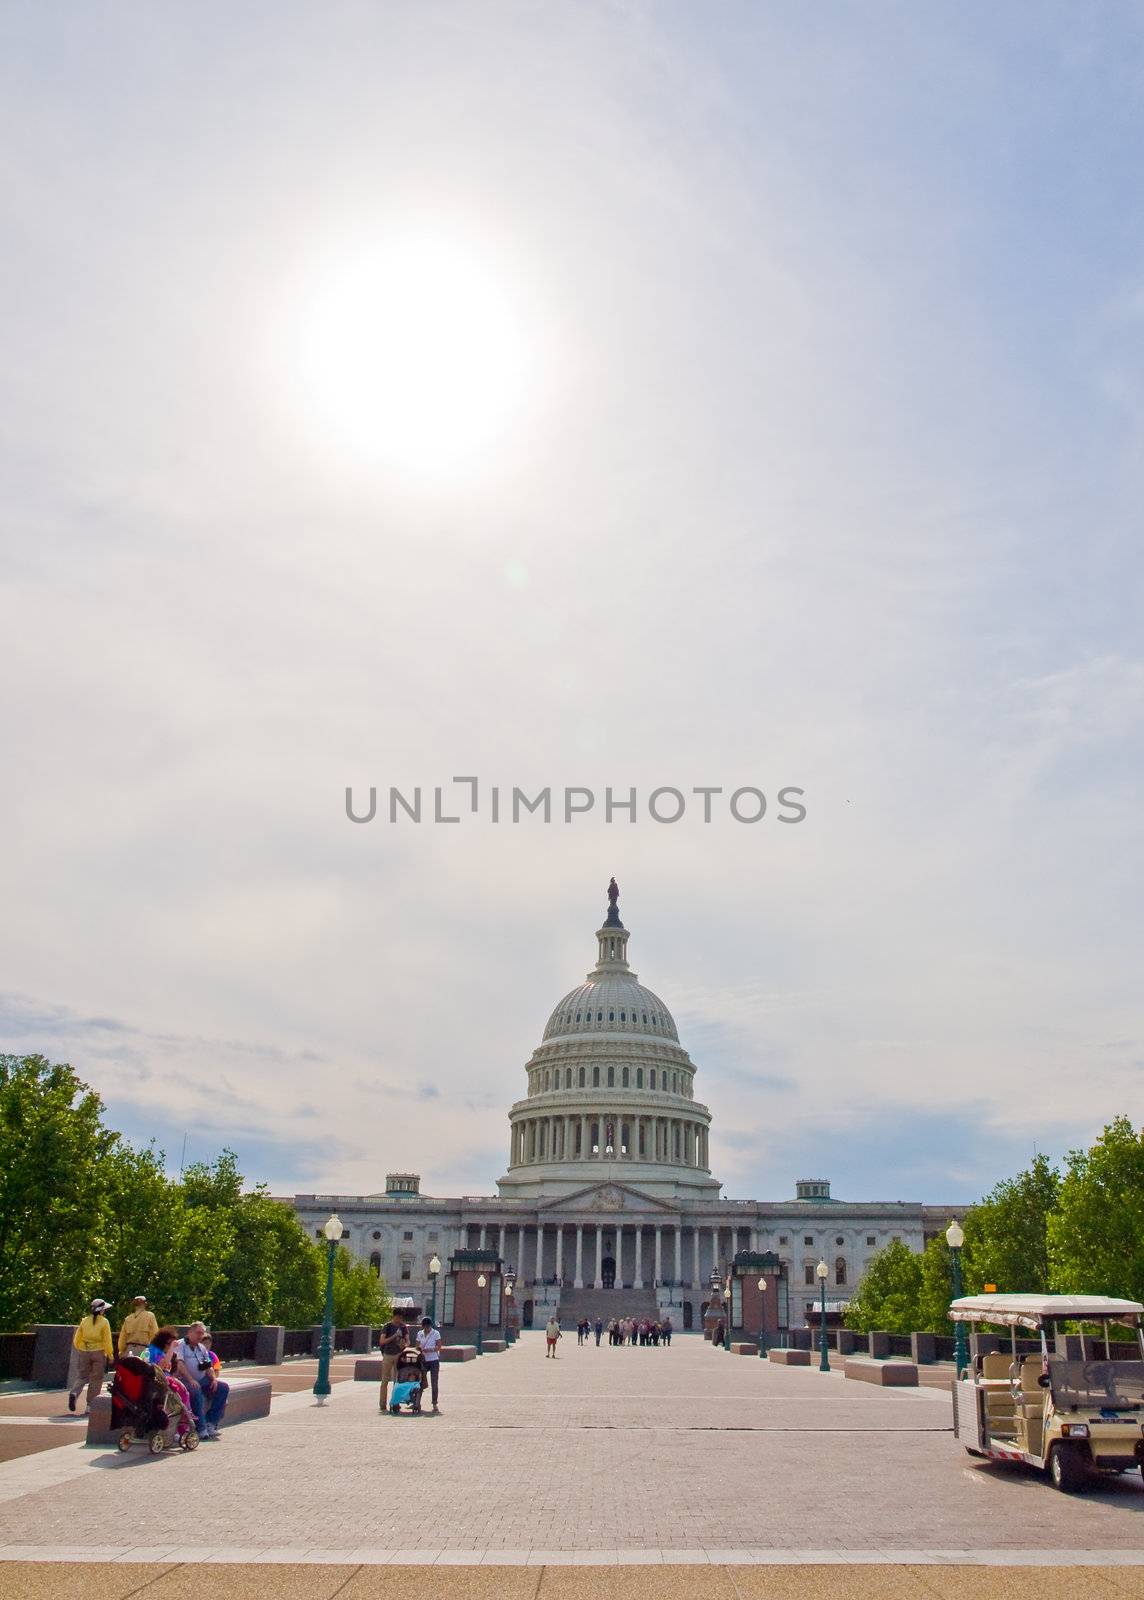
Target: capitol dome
x,y
610,1089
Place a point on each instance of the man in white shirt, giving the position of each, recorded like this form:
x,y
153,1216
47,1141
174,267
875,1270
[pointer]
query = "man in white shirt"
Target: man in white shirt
x,y
208,1393
429,1341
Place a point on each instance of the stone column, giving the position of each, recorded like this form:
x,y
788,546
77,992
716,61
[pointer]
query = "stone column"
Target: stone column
x,y
678,1252
715,1248
658,1252
540,1252
695,1258
482,1239
637,1281
755,1239
500,1243
566,1152
520,1252
619,1248
583,1137
560,1250
599,1279
578,1282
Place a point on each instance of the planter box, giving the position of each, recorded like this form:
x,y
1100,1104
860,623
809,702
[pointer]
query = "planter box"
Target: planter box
x,y
789,1358
887,1374
249,1398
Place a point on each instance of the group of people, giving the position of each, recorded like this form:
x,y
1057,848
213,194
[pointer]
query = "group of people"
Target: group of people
x,y
398,1341
188,1363
625,1330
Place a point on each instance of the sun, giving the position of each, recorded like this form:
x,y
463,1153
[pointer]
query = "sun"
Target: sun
x,y
415,354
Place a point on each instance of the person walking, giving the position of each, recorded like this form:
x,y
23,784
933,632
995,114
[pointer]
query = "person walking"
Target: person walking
x,y
599,1330
392,1344
92,1343
139,1328
429,1343
551,1334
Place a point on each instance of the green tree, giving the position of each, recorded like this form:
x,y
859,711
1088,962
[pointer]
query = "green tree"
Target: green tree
x,y
53,1195
1096,1231
360,1296
888,1298
1007,1233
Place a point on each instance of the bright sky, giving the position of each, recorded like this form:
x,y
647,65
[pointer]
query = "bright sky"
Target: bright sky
x,y
619,394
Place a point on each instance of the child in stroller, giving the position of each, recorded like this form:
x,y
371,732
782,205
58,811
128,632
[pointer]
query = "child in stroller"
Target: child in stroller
x,y
145,1401
410,1380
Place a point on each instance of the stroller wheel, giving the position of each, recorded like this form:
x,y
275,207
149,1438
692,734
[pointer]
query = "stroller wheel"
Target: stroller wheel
x,y
124,1440
190,1440
157,1443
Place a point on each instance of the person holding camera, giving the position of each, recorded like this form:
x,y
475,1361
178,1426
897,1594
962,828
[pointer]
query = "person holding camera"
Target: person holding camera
x,y
196,1369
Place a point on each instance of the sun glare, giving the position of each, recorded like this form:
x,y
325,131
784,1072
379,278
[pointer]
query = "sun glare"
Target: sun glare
x,y
415,357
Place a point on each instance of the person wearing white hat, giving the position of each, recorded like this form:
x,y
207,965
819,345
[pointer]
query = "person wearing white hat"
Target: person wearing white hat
x,y
93,1351
139,1328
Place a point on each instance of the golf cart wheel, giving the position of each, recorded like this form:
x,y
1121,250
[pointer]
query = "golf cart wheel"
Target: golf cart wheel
x,y
1066,1468
157,1443
124,1440
980,1454
190,1440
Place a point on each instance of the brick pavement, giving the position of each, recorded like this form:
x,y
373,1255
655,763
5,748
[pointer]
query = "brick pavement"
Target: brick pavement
x,y
661,1455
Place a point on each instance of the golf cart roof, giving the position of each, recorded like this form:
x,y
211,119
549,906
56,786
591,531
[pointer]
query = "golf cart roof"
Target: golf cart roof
x,y
1031,1310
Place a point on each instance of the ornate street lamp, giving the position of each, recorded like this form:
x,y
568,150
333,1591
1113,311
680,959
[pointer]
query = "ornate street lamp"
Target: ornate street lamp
x,y
762,1318
434,1272
822,1272
509,1331
481,1282
333,1233
727,1320
955,1238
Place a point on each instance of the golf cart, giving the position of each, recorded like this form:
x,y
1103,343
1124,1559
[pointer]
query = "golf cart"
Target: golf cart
x,y
1070,1417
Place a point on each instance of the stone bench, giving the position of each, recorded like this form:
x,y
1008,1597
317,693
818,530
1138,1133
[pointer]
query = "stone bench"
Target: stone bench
x,y
789,1358
248,1398
494,1346
887,1374
462,1352
743,1347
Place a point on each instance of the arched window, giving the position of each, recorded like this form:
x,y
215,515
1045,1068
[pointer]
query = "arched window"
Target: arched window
x,y
639,1077
568,1078
599,1016
595,1077
623,1016
624,1078
645,1019
611,1077
582,1079
652,1084
375,1263
840,1270
611,1016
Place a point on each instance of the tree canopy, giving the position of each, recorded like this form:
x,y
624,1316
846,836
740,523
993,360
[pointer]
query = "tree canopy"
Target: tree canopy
x,y
84,1212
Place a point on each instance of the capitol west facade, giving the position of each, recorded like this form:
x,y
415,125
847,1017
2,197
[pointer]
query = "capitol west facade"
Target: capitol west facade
x,y
609,1184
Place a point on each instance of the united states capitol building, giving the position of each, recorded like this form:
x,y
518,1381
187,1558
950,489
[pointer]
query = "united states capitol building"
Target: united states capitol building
x,y
609,1190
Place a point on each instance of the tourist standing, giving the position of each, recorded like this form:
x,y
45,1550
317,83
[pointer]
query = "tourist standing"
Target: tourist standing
x,y
667,1330
429,1343
392,1344
92,1343
139,1328
599,1330
551,1334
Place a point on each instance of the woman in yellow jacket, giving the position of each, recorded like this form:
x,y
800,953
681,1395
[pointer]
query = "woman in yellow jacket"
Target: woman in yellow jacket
x,y
93,1351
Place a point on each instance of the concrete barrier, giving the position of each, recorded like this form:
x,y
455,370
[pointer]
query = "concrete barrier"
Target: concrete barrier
x,y
269,1344
367,1369
878,1346
789,1358
51,1359
249,1398
460,1352
887,1374
847,1342
923,1348
493,1346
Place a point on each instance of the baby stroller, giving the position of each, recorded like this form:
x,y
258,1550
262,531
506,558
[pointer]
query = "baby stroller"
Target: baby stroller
x,y
409,1382
143,1407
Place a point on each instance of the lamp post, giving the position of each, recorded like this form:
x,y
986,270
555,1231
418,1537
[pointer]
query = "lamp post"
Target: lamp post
x,y
434,1272
955,1238
333,1232
762,1318
727,1318
821,1272
481,1282
509,1332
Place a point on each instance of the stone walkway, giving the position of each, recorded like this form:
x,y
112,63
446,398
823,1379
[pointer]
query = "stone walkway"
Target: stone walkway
x,y
664,1458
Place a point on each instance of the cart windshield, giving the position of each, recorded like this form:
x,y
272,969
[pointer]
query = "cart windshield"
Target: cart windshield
x,y
1101,1385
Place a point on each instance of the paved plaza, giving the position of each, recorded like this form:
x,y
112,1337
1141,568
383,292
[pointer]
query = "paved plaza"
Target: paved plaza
x,y
659,1457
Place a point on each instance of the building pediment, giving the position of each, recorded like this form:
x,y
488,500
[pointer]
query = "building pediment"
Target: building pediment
x,y
608,1199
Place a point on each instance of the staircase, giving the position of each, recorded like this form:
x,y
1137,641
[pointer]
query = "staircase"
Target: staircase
x,y
575,1304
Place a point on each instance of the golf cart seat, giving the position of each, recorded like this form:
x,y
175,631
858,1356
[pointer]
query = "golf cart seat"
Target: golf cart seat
x,y
1000,1411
